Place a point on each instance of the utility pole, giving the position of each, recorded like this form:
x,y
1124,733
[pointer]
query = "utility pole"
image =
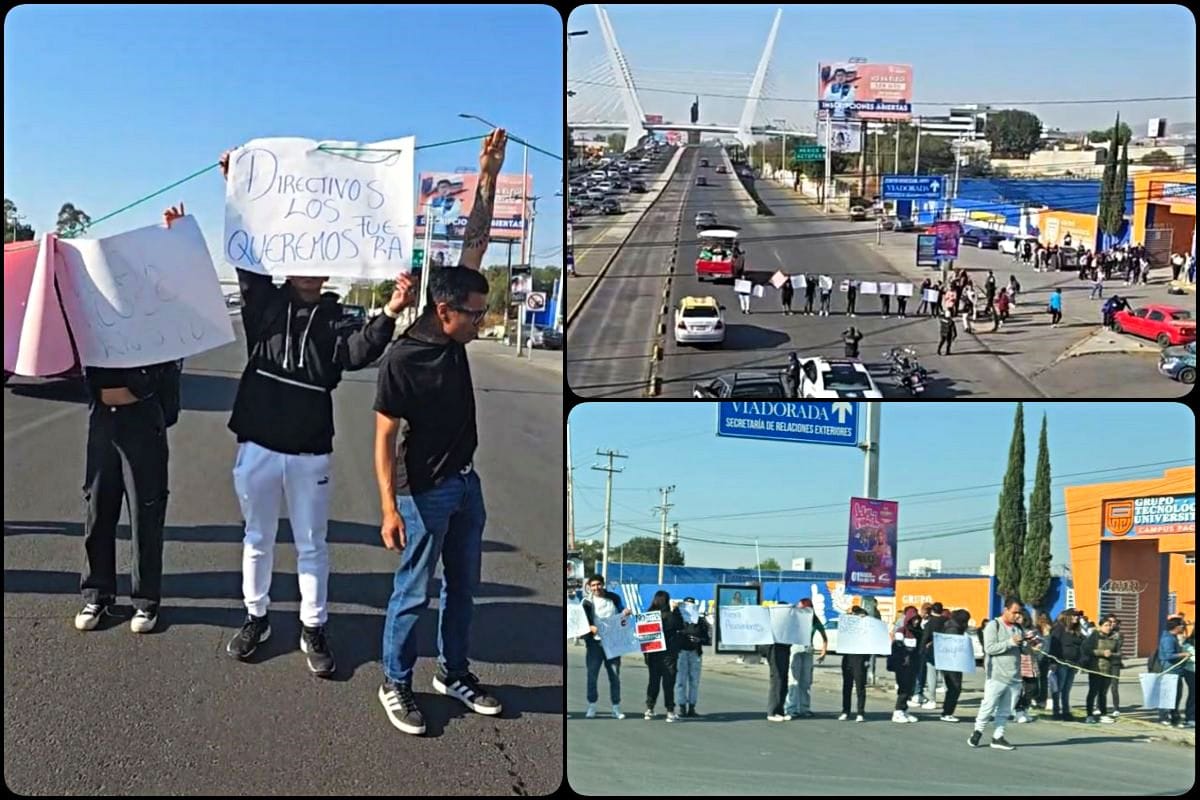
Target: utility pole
x,y
947,266
663,508
570,499
870,448
610,469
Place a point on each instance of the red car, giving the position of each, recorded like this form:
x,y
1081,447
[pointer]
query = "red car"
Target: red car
x,y
1167,325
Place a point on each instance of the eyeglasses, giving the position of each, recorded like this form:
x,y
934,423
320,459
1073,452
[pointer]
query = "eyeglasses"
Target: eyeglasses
x,y
476,314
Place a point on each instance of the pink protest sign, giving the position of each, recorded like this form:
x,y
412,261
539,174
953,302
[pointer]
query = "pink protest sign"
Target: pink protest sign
x,y
36,341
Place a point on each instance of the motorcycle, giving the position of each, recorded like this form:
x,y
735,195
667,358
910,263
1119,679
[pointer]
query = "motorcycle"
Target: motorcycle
x,y
906,369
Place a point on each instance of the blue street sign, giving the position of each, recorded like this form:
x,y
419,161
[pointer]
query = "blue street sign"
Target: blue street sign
x,y
815,422
913,187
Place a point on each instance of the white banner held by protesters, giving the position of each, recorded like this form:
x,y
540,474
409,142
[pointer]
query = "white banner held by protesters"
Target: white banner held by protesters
x,y
1160,689
778,279
143,297
742,286
799,282
953,652
745,625
577,624
618,636
865,635
790,626
929,295
868,287
301,207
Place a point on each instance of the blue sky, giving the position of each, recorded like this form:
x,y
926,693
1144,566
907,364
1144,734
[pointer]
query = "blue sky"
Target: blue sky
x,y
959,53
105,104
924,447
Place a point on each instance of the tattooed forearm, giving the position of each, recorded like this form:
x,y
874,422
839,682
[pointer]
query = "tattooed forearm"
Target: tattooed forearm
x,y
479,224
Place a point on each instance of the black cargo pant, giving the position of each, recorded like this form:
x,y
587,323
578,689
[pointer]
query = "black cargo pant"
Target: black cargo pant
x,y
663,671
126,459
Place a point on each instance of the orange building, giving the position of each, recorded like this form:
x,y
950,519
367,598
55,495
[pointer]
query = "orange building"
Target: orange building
x,y
1133,551
1164,211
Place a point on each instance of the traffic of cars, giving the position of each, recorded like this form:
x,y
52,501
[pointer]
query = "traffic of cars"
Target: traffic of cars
x,y
597,185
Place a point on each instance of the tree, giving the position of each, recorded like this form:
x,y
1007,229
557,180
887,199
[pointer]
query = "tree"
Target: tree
x,y
1120,189
1158,158
1009,528
1112,204
1123,136
1013,133
616,142
71,220
590,552
644,550
14,229
1035,560
767,565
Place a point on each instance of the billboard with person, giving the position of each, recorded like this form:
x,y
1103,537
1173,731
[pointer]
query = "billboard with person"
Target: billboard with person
x,y
871,555
865,91
735,595
450,196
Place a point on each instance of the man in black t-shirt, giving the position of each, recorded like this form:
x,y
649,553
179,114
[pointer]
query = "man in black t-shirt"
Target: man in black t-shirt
x,y
431,499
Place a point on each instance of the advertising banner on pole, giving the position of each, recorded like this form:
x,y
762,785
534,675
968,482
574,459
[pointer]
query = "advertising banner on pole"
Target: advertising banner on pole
x,y
870,557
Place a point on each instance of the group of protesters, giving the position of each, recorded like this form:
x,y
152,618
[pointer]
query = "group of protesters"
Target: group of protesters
x,y
1030,663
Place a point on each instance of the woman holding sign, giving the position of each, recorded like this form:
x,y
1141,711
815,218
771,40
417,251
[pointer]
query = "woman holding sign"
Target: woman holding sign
x,y
663,665
854,676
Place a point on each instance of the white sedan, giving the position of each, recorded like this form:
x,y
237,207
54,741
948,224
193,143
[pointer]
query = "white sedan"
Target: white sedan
x,y
1009,246
821,377
699,320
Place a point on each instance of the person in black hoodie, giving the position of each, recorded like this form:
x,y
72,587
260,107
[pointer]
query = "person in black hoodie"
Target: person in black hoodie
x,y
903,661
1066,643
934,623
663,664
692,638
283,419
129,411
960,618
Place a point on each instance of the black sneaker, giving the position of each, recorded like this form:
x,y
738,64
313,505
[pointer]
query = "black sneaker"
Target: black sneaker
x,y
974,739
254,632
401,707
314,644
1000,743
467,689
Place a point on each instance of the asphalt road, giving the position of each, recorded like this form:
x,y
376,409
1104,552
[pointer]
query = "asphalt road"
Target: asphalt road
x,y
610,349
733,750
111,712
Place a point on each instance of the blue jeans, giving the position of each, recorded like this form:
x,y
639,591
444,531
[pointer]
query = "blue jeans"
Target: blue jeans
x,y
445,522
1062,700
596,659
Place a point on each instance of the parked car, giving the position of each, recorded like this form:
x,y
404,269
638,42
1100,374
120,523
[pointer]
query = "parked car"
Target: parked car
x,y
858,213
1012,244
1179,363
610,206
756,385
545,338
981,238
637,187
1167,325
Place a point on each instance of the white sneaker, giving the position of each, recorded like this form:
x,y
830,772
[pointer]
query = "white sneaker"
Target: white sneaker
x,y
948,718
671,717
648,715
1049,705
912,718
90,616
843,717
929,705
859,718
940,690
913,702
616,713
143,622
775,718
591,711
1107,720
1115,714
900,716
1022,719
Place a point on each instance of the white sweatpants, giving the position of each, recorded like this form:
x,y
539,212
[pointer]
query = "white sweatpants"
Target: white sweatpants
x,y
260,478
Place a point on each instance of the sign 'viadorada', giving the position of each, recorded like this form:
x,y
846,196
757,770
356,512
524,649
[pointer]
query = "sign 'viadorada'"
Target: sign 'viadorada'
x,y
794,421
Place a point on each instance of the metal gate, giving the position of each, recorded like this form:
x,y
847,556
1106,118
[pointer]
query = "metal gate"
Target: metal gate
x,y
1158,245
1121,599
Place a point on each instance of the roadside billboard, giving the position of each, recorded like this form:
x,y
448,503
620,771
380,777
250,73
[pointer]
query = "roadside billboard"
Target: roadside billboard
x,y
453,196
865,91
845,137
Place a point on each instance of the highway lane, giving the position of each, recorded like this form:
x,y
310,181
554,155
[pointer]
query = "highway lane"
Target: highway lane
x,y
109,712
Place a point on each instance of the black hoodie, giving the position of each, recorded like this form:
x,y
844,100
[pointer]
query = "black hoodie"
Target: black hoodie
x,y
297,352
